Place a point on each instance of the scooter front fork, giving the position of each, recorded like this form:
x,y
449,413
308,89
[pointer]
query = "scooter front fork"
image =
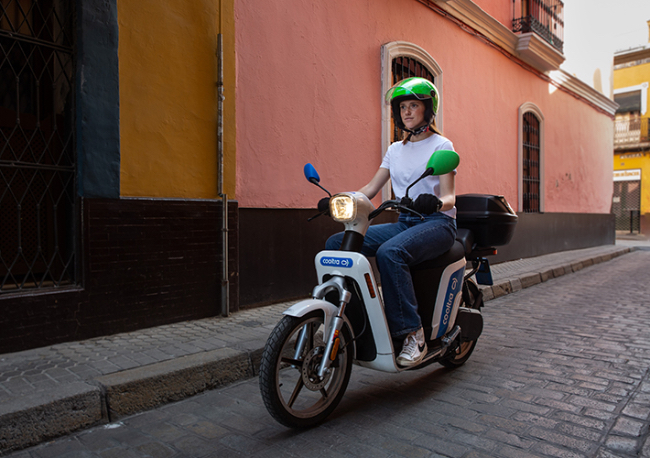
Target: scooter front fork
x,y
333,342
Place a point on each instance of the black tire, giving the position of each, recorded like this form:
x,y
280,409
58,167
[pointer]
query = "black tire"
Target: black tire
x,y
464,350
291,394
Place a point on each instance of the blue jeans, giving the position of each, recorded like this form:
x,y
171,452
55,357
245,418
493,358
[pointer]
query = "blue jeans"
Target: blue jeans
x,y
397,246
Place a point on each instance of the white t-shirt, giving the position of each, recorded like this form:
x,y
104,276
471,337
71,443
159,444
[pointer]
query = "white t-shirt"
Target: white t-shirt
x,y
406,162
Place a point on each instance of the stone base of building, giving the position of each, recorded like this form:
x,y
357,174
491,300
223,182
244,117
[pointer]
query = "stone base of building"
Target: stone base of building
x,y
277,247
141,263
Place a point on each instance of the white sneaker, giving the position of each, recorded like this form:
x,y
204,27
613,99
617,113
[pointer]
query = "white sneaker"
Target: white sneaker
x,y
413,350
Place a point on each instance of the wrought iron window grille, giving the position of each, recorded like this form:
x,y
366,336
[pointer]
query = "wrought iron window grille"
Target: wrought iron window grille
x,y
407,67
531,163
543,17
38,203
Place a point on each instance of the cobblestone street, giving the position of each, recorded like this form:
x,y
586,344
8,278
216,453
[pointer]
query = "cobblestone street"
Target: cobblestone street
x,y
561,370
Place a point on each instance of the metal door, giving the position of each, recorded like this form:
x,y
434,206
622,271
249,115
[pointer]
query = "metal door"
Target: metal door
x,y
626,205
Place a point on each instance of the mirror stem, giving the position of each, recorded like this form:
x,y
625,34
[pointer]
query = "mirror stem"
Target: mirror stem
x,y
314,181
426,173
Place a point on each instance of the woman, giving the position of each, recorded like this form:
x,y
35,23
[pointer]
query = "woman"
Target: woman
x,y
410,241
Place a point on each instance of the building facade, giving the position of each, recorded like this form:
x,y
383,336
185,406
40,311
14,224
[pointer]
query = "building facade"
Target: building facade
x,y
523,128
631,199
151,153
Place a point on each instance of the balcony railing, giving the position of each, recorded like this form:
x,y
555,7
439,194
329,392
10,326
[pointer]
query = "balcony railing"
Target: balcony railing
x,y
629,132
543,17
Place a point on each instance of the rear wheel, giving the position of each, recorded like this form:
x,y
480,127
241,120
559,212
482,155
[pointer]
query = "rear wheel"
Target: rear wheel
x,y
293,394
471,299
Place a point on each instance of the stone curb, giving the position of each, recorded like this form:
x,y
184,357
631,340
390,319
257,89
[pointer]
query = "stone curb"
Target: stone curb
x,y
34,419
528,279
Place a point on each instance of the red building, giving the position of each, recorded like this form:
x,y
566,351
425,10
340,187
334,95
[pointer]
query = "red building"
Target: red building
x,y
310,81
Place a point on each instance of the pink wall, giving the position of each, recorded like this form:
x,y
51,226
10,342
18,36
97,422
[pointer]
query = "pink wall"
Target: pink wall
x,y
309,90
498,9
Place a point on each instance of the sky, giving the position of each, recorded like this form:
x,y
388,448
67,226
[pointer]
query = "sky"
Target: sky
x,y
595,29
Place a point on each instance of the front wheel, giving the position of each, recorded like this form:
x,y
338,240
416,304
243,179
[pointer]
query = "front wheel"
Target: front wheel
x,y
471,299
293,394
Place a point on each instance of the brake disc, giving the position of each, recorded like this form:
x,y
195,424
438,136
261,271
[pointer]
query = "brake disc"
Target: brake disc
x,y
310,367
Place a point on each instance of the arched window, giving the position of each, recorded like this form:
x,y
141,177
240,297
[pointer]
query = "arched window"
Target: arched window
x,y
531,159
406,67
403,60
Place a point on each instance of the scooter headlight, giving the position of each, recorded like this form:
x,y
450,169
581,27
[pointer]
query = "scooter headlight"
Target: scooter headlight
x,y
343,208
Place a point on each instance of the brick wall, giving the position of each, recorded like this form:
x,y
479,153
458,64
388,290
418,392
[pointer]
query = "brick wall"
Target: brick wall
x,y
144,262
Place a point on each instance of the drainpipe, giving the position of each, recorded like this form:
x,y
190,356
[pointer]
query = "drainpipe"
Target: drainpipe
x,y
225,283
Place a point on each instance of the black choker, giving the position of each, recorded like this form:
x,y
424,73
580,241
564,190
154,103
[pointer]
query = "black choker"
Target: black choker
x,y
419,130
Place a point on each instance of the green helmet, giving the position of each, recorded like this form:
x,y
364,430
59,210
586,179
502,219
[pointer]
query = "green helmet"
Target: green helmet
x,y
413,88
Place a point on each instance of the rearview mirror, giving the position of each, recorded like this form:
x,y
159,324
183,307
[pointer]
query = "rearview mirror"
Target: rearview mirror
x,y
311,174
443,161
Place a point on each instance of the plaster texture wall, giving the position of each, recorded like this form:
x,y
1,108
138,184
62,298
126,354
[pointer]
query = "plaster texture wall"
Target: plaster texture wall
x,y
499,10
168,97
309,90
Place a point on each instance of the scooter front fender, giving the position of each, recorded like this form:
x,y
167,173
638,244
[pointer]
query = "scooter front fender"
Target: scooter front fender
x,y
307,306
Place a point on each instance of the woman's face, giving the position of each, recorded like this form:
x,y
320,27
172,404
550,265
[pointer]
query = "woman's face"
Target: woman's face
x,y
412,112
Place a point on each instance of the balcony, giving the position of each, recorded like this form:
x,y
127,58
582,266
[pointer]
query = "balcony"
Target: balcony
x,y
631,132
542,17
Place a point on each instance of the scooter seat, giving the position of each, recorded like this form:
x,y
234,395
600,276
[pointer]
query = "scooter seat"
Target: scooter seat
x,y
456,252
461,247
466,238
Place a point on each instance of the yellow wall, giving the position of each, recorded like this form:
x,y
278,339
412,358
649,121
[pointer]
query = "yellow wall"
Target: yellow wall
x,y
168,97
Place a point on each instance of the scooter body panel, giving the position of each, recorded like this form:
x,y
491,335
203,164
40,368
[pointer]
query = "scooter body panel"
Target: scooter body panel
x,y
357,267
447,299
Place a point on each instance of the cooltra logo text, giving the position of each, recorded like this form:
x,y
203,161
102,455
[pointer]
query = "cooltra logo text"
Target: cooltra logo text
x,y
450,301
336,262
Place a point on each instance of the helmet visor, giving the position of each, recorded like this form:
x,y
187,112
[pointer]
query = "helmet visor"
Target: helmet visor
x,y
417,88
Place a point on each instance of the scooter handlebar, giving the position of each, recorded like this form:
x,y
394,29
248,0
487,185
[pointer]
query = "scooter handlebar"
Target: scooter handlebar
x,y
393,204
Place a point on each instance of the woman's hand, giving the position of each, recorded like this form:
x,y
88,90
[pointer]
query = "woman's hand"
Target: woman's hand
x,y
426,204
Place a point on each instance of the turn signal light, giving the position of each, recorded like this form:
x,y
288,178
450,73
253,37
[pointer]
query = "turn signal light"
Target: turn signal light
x,y
371,290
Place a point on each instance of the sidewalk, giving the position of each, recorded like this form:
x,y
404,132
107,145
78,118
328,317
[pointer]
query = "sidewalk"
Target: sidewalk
x,y
52,391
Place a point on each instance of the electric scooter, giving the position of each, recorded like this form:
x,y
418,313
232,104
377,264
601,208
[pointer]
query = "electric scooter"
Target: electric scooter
x,y
307,360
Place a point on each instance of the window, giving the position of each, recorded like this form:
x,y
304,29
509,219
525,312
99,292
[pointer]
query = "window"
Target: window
x,y
531,159
402,60
631,125
629,102
37,154
407,67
